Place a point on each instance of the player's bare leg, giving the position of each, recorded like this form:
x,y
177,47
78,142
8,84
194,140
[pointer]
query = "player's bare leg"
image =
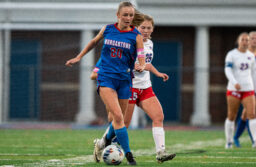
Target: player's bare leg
x,y
154,110
233,106
117,107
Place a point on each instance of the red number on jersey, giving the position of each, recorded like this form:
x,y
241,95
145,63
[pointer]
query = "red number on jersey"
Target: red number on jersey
x,y
116,53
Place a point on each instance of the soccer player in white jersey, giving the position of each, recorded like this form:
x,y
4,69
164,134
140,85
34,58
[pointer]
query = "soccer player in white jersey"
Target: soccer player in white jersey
x,y
143,95
239,68
243,121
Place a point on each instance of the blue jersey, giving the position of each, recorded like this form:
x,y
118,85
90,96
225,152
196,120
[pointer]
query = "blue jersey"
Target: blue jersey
x,y
119,52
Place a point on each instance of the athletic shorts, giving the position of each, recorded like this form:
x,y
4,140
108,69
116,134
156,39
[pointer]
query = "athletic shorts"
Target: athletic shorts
x,y
122,87
139,95
240,95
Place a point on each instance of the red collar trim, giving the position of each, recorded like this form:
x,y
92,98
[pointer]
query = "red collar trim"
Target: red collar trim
x,y
132,28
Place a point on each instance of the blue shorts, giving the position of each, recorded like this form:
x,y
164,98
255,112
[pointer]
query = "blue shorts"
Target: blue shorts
x,y
122,87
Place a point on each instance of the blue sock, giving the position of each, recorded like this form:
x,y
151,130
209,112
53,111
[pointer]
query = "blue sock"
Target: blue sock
x,y
111,132
240,128
122,137
249,131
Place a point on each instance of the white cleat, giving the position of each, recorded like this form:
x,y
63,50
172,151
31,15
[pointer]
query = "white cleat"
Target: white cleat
x,y
229,145
163,156
254,145
97,150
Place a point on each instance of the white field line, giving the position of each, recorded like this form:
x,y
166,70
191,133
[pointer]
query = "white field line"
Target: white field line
x,y
193,145
219,157
19,154
81,160
218,162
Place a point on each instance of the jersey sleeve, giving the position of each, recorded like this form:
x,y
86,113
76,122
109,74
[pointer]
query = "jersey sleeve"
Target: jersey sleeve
x,y
229,69
107,30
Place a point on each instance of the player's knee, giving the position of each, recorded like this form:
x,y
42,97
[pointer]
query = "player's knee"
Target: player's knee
x,y
110,119
159,118
250,115
232,118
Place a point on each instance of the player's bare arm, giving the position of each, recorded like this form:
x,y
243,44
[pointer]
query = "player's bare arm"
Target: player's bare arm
x,y
141,56
87,48
158,74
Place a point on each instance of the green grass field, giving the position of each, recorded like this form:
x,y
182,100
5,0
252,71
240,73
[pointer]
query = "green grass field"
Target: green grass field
x,y
53,148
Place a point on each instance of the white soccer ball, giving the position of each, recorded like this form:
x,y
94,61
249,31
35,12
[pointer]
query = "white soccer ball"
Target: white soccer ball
x,y
113,155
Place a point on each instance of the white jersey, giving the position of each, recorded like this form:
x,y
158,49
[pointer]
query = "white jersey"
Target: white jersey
x,y
254,73
142,80
239,68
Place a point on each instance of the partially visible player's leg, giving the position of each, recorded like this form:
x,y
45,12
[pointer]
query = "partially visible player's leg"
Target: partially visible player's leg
x,y
241,125
121,133
233,106
132,101
154,110
249,104
128,115
100,144
250,134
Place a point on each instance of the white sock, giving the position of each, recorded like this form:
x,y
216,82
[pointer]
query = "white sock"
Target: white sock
x,y
159,138
252,126
229,130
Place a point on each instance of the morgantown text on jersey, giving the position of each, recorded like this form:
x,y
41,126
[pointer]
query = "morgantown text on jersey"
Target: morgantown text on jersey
x,y
117,43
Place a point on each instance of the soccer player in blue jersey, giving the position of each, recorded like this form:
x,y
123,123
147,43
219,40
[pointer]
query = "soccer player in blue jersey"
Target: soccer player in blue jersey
x,y
122,45
146,99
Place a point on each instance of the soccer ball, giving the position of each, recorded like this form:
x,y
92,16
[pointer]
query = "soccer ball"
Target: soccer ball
x,y
113,155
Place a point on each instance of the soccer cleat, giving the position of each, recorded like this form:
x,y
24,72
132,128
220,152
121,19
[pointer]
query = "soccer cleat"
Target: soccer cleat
x,y
163,156
115,141
236,142
229,145
130,158
254,145
98,148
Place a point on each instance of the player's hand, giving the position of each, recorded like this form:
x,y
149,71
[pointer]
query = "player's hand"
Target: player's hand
x,y
237,86
139,67
164,76
72,61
